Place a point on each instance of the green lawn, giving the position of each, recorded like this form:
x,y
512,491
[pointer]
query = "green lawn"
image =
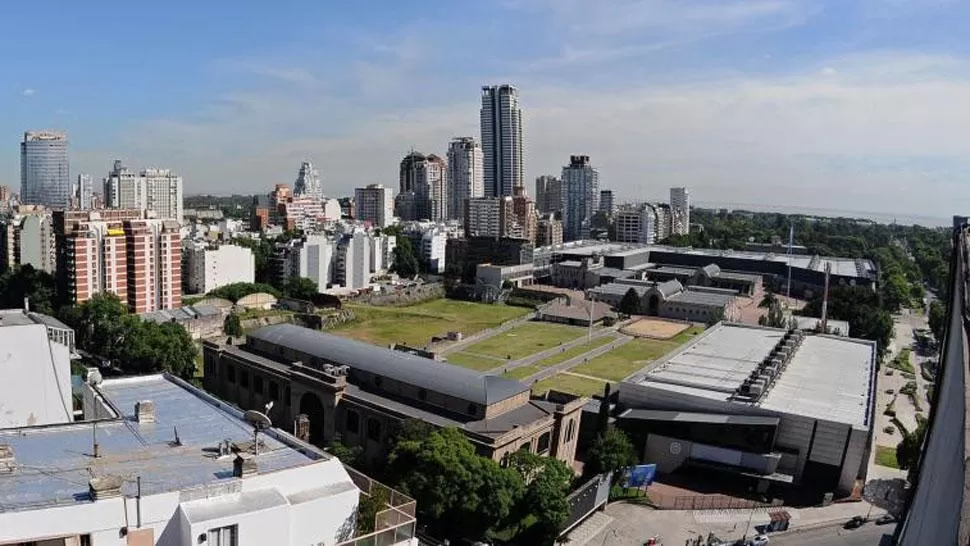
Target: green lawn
x,y
526,339
886,456
417,324
580,386
473,362
574,352
521,372
627,359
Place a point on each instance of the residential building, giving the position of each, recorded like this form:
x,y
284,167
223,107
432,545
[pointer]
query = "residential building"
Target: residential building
x,y
348,207
174,465
662,210
308,182
548,230
465,174
426,177
119,251
491,217
84,192
361,392
375,204
406,206
157,190
382,252
353,257
607,204
37,353
636,224
502,145
786,409
524,210
432,249
497,275
209,266
580,186
549,197
27,237
465,254
314,257
679,211
45,177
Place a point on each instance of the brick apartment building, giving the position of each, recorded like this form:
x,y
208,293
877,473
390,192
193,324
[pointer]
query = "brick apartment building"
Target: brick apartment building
x,y
119,251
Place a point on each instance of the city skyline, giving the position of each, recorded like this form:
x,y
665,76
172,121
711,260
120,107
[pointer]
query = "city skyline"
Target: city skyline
x,y
874,106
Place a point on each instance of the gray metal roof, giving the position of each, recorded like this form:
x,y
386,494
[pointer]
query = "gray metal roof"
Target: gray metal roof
x,y
699,297
415,370
711,270
619,289
691,417
670,288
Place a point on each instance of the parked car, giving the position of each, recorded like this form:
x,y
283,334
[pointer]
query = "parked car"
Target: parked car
x,y
890,391
885,519
889,429
855,522
760,540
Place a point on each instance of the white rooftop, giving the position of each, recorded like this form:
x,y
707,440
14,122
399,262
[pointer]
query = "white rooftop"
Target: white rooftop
x,y
36,389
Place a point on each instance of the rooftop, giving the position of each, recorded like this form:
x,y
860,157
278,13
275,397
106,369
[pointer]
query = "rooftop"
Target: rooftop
x,y
702,297
54,463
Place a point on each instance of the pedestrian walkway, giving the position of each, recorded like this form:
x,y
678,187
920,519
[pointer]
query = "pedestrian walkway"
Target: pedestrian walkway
x,y
589,528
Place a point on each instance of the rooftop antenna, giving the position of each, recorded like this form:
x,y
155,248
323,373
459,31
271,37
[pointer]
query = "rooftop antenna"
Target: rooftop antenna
x,y
260,421
825,298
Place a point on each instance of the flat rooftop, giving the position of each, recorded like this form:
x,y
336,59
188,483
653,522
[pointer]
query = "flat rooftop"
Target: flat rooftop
x,y
828,377
54,463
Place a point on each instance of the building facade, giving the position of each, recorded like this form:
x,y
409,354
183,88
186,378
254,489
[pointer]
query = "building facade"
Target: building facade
x,y
524,209
208,267
548,230
157,190
549,194
27,238
502,145
679,211
375,204
607,204
308,183
432,250
581,194
636,224
424,188
84,192
353,256
491,217
466,175
45,177
314,258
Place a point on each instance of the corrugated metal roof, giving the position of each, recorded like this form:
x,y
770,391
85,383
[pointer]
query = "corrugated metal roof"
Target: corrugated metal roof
x,y
692,417
415,370
698,297
670,288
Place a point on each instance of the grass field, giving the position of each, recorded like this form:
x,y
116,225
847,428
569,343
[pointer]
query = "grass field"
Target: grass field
x,y
580,386
626,359
522,372
886,456
417,324
526,339
473,362
574,352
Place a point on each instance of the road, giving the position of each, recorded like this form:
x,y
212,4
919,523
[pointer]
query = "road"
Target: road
x,y
868,535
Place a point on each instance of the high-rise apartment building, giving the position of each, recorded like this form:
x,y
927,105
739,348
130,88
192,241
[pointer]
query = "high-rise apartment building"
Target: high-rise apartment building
x,y
208,266
27,238
426,178
375,204
679,211
157,190
524,209
491,217
466,175
607,205
45,177
84,192
636,224
548,194
662,211
119,251
314,258
353,260
548,230
502,146
581,195
308,183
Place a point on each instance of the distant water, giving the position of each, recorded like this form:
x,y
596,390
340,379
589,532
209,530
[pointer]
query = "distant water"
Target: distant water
x,y
880,217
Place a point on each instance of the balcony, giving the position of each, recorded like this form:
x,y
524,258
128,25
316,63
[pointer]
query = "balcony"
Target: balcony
x,y
394,524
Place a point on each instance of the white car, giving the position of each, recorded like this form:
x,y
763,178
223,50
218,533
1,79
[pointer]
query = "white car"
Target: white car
x,y
760,540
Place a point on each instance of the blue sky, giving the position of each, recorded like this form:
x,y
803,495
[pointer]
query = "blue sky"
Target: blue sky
x,y
856,105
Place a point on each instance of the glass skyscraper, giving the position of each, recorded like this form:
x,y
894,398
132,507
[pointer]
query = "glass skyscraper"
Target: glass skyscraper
x,y
501,140
45,177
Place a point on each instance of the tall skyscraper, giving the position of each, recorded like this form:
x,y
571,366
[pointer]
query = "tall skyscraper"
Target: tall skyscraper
x,y
45,177
465,174
581,196
548,194
374,204
679,211
607,204
424,177
308,182
84,191
501,121
157,190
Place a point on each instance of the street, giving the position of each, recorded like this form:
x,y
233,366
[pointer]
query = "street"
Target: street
x,y
868,535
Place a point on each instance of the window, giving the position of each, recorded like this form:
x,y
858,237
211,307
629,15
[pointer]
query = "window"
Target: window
x,y
274,390
353,422
223,536
231,373
570,429
374,430
244,379
258,383
543,445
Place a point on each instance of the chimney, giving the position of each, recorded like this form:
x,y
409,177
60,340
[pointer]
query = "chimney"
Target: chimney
x,y
145,411
7,461
105,487
243,465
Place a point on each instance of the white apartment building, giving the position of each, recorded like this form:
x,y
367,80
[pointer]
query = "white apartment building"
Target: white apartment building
x,y
208,267
27,237
465,174
382,253
490,217
433,243
169,464
679,211
308,183
315,259
502,146
353,260
637,224
581,196
158,190
375,204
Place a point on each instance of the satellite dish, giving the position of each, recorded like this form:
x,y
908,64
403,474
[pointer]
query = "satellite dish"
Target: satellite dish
x,y
257,419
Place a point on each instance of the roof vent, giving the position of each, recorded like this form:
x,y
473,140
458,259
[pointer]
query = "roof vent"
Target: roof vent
x,y
145,411
243,465
105,487
7,462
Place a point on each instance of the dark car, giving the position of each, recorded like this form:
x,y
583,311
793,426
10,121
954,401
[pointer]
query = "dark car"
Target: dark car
x,y
886,519
855,522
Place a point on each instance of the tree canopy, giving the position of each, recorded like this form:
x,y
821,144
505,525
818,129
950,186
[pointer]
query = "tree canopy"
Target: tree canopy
x,y
25,281
405,260
908,449
937,319
232,325
610,452
300,288
630,304
545,498
238,290
858,306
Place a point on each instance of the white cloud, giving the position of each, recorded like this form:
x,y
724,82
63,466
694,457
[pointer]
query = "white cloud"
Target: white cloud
x,y
28,92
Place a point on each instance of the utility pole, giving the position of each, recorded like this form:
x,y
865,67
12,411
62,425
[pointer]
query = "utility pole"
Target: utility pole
x,y
825,299
791,237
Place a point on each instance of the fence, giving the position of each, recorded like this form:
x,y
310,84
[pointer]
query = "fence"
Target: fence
x,y
706,502
394,524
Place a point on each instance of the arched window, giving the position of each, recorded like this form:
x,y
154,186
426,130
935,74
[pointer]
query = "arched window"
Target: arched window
x,y
543,444
570,429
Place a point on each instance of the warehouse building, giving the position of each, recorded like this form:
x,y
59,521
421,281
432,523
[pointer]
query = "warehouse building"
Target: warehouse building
x,y
774,407
672,300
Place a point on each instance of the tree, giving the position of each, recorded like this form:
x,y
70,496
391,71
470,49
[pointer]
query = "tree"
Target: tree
x,y
937,319
630,304
370,504
859,306
908,449
238,290
768,300
24,281
716,316
348,455
460,491
545,499
895,292
405,262
232,325
611,452
603,417
775,317
300,288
